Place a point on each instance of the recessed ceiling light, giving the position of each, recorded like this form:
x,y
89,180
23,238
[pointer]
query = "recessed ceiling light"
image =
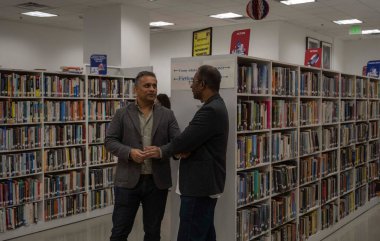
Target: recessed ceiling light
x,y
348,21
370,31
40,14
160,24
226,15
293,2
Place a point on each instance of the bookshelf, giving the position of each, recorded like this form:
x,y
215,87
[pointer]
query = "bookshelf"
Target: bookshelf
x,y
54,167
303,151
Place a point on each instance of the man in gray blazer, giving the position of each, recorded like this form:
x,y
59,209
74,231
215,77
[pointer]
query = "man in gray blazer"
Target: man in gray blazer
x,y
202,173
140,179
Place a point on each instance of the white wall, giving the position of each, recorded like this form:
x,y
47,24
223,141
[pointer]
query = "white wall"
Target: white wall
x,y
358,52
29,46
166,45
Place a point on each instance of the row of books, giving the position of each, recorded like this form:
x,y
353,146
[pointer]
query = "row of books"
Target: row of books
x,y
64,86
18,138
252,150
61,135
361,88
284,146
328,163
97,132
15,217
347,134
19,164
253,115
287,232
12,112
283,209
252,186
329,137
104,88
362,132
64,111
329,215
309,141
360,176
64,158
309,84
347,110
372,189
19,191
330,113
100,178
361,110
373,130
284,81
309,197
129,88
330,86
99,155
20,85
373,89
101,198
373,109
103,110
253,79
309,112
373,170
65,206
360,197
346,205
64,184
284,177
329,189
374,150
309,169
308,225
347,86
346,181
252,221
284,113
361,154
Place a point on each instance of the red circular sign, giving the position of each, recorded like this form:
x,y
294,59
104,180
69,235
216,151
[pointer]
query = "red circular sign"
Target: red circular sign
x,y
257,9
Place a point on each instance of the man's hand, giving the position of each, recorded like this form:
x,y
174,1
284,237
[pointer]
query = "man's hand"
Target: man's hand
x,y
137,155
152,152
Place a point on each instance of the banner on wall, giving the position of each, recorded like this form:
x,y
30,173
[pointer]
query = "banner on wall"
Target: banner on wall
x,y
240,42
202,42
98,64
373,68
313,57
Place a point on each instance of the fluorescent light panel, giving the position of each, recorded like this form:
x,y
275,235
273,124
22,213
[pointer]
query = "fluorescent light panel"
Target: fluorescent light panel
x,y
160,24
348,21
40,14
370,31
226,15
293,2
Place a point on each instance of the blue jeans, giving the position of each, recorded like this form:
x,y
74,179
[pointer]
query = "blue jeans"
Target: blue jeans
x,y
127,202
197,219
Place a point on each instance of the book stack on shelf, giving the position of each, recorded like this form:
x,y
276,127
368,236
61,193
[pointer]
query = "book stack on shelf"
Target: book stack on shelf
x,y
53,160
306,144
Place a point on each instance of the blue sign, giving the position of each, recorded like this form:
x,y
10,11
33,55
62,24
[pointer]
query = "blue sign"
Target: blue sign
x,y
373,68
98,64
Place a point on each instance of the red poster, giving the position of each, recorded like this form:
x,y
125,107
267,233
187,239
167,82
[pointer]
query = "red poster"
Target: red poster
x,y
313,57
240,42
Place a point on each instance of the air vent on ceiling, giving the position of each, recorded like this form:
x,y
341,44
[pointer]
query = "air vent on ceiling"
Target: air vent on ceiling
x,y
158,29
32,6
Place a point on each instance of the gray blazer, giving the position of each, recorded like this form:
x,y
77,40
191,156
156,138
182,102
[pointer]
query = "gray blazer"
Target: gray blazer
x,y
203,173
124,134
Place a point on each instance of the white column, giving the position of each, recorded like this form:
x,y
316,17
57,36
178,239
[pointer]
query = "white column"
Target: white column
x,y
119,31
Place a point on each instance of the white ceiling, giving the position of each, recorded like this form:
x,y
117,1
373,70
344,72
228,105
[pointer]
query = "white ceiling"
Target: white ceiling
x,y
193,14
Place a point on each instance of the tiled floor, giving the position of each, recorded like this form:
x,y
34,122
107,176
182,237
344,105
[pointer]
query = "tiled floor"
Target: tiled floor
x,y
364,228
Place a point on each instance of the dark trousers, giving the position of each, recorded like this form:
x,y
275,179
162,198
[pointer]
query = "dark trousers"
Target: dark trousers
x,y
197,219
127,202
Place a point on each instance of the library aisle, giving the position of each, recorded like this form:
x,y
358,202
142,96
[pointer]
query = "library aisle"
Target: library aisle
x,y
363,228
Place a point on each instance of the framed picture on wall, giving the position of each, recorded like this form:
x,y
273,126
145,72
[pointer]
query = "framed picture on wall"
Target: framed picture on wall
x,y
326,55
312,43
202,42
